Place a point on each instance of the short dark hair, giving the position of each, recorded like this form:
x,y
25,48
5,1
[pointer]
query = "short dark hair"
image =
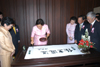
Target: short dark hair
x,y
73,18
82,16
39,21
98,14
1,13
98,17
7,21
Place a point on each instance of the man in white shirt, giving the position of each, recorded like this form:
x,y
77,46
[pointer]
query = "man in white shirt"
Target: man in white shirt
x,y
94,30
80,28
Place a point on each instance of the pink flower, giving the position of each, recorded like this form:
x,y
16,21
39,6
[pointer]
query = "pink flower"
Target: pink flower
x,y
81,44
91,43
91,46
87,41
17,29
87,44
92,30
82,41
83,26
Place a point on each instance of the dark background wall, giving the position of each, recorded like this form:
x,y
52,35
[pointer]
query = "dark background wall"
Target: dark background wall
x,y
55,13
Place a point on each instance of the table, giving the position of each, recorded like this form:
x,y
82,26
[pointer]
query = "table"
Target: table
x,y
48,51
87,60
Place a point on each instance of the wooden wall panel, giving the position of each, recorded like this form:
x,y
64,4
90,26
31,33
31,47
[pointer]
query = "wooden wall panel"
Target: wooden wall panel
x,y
63,19
55,13
50,19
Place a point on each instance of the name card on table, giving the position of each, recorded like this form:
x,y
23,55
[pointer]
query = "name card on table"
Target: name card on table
x,y
52,51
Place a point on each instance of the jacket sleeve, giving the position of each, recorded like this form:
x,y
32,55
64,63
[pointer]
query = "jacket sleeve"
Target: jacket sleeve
x,y
67,32
13,47
75,33
47,29
98,30
3,45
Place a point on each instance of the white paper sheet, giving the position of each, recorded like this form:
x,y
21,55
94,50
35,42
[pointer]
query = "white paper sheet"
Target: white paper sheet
x,y
52,51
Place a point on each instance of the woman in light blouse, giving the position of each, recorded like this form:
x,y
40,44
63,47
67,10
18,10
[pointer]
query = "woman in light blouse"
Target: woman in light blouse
x,y
70,28
7,48
40,30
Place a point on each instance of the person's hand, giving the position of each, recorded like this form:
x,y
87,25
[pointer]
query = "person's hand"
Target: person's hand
x,y
46,38
13,53
70,38
32,42
75,41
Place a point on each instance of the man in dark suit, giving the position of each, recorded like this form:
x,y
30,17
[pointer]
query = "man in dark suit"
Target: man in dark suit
x,y
80,28
94,30
15,36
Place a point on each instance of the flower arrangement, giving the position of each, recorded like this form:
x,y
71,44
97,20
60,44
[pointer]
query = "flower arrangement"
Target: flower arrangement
x,y
85,43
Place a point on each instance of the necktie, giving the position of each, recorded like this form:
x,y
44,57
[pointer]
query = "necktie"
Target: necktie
x,y
80,27
14,29
91,26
